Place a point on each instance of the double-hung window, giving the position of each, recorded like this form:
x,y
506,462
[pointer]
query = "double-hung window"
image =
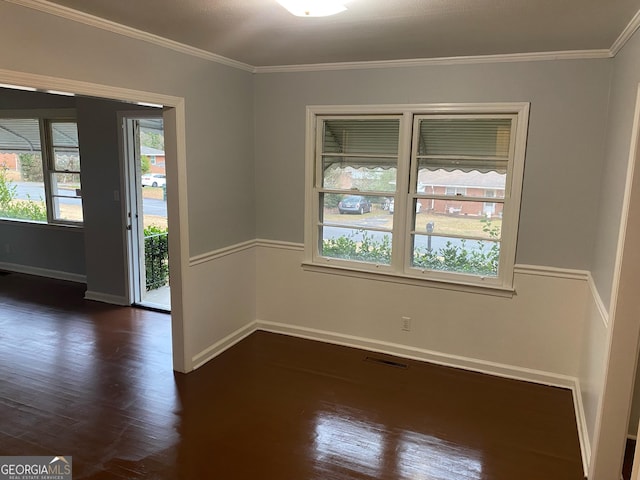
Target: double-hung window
x,y
425,193
40,168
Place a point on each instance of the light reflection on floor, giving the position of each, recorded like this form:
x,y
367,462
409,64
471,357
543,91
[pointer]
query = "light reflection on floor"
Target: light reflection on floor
x,y
424,457
349,443
365,447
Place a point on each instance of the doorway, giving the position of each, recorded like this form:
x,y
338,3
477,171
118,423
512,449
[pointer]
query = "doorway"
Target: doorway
x,y
146,204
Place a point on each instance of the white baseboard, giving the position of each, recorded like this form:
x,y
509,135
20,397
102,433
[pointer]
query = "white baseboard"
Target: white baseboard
x,y
581,423
414,353
227,342
43,272
107,298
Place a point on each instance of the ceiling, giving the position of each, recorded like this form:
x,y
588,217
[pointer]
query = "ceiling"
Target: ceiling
x,y
262,33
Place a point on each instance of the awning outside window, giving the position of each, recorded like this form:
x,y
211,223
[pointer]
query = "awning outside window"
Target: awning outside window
x,y
451,144
19,135
22,135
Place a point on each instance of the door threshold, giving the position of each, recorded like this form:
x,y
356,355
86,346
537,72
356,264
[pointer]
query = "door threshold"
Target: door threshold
x,y
155,307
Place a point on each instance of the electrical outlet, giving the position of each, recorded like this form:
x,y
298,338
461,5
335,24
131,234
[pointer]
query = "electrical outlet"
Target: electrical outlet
x,y
406,324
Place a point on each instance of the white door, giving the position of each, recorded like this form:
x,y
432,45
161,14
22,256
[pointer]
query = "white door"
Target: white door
x,y
146,212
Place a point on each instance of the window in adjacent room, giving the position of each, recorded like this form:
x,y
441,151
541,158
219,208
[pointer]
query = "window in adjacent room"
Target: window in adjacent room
x,y
428,193
40,169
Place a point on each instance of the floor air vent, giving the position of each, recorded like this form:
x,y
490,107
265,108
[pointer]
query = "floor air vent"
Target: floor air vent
x,y
388,363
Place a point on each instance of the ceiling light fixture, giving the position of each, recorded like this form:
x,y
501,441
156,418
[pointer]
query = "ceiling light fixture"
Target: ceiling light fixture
x,y
313,8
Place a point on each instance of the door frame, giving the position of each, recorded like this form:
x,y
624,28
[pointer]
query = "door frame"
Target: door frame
x,y
177,206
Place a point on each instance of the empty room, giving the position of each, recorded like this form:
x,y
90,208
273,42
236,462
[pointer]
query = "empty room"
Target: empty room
x,y
400,238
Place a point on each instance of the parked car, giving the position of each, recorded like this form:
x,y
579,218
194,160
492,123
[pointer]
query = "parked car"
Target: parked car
x,y
354,204
154,180
392,204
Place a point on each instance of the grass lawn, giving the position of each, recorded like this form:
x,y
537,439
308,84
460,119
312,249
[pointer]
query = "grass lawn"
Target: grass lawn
x,y
74,213
152,192
457,225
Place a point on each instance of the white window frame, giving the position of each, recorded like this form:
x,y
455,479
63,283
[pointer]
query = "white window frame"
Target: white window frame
x,y
45,119
399,270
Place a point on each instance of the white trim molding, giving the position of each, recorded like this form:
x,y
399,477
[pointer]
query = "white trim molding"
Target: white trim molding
x,y
45,83
280,245
581,424
520,269
597,300
220,346
221,252
120,300
626,34
425,62
239,247
118,28
555,272
420,354
43,272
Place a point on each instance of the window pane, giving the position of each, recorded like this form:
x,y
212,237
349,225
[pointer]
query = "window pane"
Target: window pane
x,y
67,208
460,210
475,257
361,136
356,244
488,137
484,225
66,185
365,211
364,174
64,134
20,135
454,183
22,186
67,159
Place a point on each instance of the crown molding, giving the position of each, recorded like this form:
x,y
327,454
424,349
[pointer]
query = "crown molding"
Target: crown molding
x,y
113,27
422,62
626,34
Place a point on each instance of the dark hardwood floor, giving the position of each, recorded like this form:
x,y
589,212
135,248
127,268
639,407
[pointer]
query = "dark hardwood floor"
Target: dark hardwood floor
x,y
94,382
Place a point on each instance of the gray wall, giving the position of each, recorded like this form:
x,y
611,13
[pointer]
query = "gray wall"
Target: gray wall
x,y
624,88
31,245
218,102
564,154
101,176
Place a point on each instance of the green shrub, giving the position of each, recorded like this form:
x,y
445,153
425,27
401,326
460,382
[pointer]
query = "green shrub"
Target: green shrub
x,y
366,250
18,209
156,257
145,164
460,259
481,260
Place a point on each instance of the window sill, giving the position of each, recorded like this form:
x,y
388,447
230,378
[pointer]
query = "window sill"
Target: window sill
x,y
30,224
493,290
